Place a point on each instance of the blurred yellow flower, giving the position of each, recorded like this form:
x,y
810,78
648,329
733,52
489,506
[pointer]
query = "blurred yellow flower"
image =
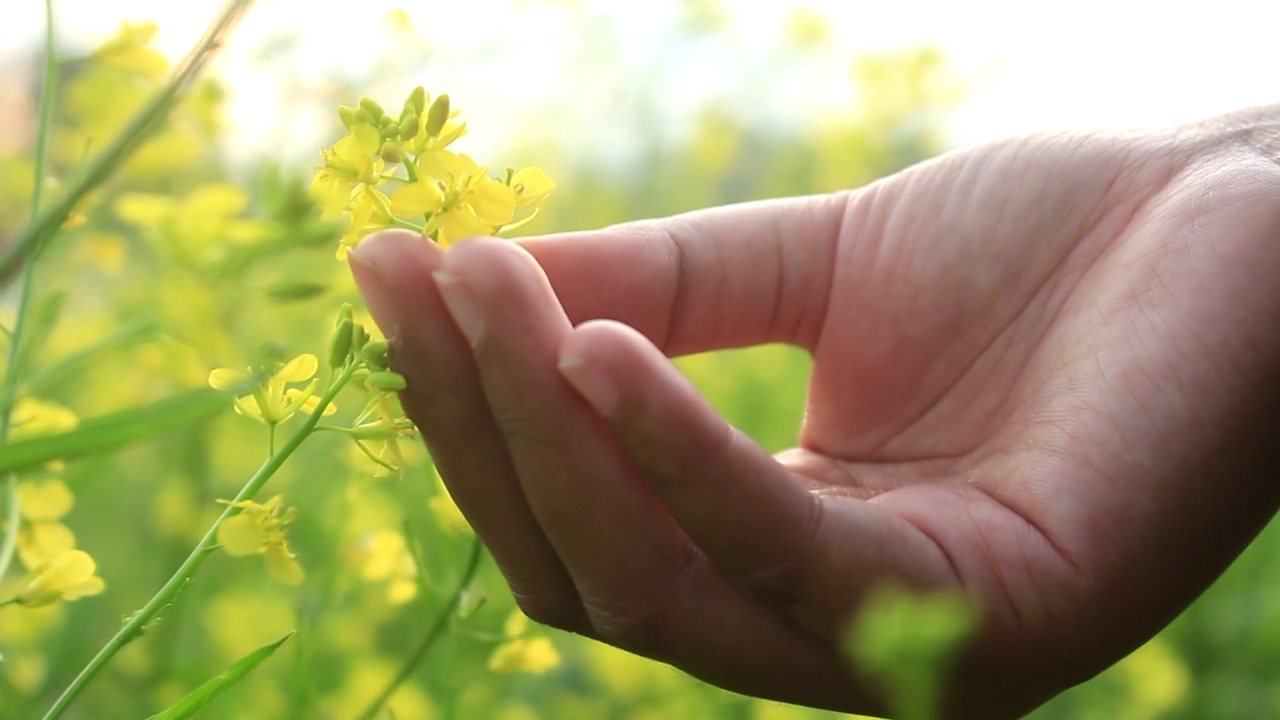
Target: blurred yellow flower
x,y
273,401
44,499
33,417
130,50
523,653
386,557
259,530
42,504
69,575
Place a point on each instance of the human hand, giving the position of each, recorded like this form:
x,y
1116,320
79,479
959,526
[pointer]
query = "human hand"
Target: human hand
x,y
1046,371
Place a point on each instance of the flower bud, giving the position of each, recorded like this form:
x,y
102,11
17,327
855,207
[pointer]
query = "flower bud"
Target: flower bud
x,y
438,115
386,381
392,153
374,109
344,314
409,126
349,115
417,101
359,337
340,346
375,353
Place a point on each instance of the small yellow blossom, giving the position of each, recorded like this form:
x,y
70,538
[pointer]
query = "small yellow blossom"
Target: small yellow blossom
x,y
43,503
273,401
33,417
130,50
456,197
386,557
352,161
522,652
377,432
44,499
69,575
260,530
531,185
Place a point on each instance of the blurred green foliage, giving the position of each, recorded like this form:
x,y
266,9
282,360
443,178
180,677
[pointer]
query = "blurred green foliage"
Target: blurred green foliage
x,y
212,267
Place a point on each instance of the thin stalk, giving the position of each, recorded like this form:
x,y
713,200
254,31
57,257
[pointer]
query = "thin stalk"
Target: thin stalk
x,y
9,390
433,634
130,138
175,584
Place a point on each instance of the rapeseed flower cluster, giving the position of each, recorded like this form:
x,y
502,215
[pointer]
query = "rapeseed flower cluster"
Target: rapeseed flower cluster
x,y
400,171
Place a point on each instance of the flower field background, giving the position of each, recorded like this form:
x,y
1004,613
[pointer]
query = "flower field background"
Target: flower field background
x,y
183,263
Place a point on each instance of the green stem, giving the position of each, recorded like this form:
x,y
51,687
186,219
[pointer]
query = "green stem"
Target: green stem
x,y
9,390
397,222
129,139
170,590
410,170
433,634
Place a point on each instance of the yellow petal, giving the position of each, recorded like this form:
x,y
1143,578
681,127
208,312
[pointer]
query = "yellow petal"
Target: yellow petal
x,y
47,499
283,565
67,572
89,586
227,379
298,369
416,199
516,625
460,224
531,185
309,405
401,591
39,542
493,202
241,535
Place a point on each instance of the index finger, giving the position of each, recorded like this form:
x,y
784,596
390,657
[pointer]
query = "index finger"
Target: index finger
x,y
732,276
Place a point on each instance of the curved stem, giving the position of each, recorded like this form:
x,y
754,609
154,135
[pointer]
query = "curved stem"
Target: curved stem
x,y
175,584
433,634
9,391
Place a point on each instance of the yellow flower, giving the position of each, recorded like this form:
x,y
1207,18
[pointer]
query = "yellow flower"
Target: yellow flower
x,y
42,537
386,557
46,499
531,186
259,530
129,50
352,161
33,417
370,210
379,438
273,401
523,653
456,197
69,575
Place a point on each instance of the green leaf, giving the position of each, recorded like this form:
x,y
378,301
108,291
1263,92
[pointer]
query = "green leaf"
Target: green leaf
x,y
108,432
907,640
211,689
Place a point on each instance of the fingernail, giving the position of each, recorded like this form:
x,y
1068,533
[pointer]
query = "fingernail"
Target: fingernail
x,y
461,304
592,382
369,265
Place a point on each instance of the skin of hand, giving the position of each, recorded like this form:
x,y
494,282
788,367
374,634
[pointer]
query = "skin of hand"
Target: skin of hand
x,y
1046,371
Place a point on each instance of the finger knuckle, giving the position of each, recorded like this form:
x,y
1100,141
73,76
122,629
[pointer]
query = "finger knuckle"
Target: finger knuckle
x,y
631,625
551,611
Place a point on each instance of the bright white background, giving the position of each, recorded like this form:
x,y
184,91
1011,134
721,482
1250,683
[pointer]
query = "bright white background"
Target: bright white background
x,y
1079,64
